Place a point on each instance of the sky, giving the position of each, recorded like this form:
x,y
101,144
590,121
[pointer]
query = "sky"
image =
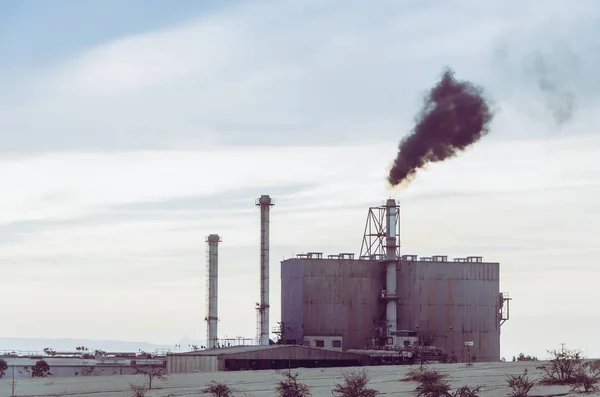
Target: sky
x,y
129,131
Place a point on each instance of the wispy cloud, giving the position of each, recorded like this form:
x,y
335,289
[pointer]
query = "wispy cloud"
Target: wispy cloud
x,y
116,162
299,72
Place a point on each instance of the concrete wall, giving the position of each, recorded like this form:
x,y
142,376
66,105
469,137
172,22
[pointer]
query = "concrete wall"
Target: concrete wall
x,y
323,297
192,363
436,296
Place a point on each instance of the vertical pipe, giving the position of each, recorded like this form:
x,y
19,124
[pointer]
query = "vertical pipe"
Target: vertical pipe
x,y
213,285
265,203
391,259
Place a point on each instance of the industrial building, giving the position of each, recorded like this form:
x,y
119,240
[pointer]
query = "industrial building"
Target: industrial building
x,y
341,303
383,300
379,307
261,357
60,367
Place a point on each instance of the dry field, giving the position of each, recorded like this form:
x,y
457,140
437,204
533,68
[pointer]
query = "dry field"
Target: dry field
x,y
262,383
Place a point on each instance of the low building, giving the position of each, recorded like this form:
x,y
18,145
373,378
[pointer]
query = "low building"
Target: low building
x,y
69,366
241,358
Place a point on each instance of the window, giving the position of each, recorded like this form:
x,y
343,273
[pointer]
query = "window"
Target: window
x,y
320,343
336,343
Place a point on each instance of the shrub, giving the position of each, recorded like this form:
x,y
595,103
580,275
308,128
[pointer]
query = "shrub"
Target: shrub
x,y
290,387
425,375
151,373
587,377
436,388
467,391
522,357
41,369
521,385
49,351
563,368
431,383
138,390
354,385
218,389
3,367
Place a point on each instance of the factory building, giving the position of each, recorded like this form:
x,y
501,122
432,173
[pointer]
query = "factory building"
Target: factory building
x,y
378,308
382,300
261,357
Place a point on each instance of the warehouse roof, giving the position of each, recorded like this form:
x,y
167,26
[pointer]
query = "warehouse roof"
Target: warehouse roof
x,y
250,349
226,350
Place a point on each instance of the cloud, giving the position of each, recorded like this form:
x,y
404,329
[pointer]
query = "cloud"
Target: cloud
x,y
101,248
321,206
118,161
71,184
294,73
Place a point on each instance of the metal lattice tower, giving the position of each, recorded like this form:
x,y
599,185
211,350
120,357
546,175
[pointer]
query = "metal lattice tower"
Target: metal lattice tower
x,y
381,243
374,244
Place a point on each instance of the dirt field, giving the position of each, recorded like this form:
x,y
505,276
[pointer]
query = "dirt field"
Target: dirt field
x,y
261,383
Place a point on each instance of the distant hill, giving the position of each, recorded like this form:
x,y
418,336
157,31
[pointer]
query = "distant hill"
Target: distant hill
x,y
68,344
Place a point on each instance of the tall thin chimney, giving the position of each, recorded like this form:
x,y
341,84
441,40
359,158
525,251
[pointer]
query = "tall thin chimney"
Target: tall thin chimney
x,y
391,258
265,203
212,286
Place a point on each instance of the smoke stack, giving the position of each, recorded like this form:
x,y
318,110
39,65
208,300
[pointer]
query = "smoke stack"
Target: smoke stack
x,y
265,203
391,259
212,285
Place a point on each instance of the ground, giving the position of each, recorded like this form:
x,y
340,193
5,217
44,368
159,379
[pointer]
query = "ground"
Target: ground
x,y
261,383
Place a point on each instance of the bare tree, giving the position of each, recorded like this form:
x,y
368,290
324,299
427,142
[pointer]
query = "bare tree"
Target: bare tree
x,y
354,385
562,368
587,377
290,387
151,373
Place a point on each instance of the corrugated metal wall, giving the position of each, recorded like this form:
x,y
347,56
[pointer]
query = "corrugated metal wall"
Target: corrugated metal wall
x,y
452,303
190,363
342,297
291,299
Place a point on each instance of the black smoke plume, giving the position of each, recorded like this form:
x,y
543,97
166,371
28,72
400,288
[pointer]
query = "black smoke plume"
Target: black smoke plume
x,y
454,116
